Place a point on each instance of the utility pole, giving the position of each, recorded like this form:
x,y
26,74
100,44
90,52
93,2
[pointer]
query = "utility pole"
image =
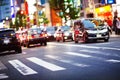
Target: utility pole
x,y
91,6
36,14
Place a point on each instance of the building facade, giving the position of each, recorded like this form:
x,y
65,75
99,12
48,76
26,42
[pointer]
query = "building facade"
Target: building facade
x,y
5,10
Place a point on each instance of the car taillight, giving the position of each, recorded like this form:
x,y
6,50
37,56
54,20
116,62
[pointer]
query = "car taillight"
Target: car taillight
x,y
43,35
76,32
30,36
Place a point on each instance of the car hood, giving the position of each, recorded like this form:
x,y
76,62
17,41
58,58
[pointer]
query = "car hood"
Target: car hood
x,y
97,30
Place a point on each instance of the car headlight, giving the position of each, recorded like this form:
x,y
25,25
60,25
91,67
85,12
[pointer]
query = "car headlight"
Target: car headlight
x,y
49,34
104,30
90,31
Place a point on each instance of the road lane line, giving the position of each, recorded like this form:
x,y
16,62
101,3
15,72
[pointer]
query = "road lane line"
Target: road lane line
x,y
45,64
66,61
3,76
113,61
22,68
78,54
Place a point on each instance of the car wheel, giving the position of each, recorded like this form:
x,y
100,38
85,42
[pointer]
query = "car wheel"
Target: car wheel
x,y
18,50
85,39
27,45
106,40
45,43
72,39
63,40
76,41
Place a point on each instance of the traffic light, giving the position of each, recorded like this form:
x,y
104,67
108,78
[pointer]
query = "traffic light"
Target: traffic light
x,y
34,21
21,12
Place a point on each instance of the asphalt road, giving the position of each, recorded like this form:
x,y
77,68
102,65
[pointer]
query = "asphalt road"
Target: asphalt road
x,y
64,61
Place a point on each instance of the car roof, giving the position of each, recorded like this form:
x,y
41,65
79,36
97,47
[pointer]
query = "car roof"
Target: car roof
x,y
5,29
87,19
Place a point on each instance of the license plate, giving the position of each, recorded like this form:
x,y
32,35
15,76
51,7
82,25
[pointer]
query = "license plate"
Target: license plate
x,y
6,41
98,35
36,36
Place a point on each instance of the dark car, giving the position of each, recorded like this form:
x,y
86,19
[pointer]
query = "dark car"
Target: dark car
x,y
50,33
34,36
64,33
90,29
9,41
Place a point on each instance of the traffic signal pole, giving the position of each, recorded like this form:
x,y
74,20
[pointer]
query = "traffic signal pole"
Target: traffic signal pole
x,y
36,15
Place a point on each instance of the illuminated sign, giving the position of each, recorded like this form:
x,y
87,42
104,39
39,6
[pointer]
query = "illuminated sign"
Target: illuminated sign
x,y
110,1
12,9
42,2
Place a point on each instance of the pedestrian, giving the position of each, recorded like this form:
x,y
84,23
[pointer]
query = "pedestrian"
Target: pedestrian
x,y
114,24
108,27
109,22
118,25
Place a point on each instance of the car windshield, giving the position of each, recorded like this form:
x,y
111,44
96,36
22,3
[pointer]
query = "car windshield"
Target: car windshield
x,y
7,33
65,28
35,31
88,24
97,22
50,29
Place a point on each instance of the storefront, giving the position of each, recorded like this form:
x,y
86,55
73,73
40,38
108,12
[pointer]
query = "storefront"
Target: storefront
x,y
104,12
56,20
116,8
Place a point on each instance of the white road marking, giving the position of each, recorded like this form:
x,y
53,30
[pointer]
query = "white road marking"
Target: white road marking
x,y
24,52
99,52
22,68
45,64
113,61
2,66
66,61
89,51
78,54
3,76
85,46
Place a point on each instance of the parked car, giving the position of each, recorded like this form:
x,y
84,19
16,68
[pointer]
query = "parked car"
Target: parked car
x,y
21,35
50,33
90,29
64,33
9,41
34,36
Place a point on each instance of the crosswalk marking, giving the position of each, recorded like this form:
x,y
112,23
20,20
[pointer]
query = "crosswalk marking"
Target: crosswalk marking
x,y
22,68
3,76
66,61
113,61
2,66
78,54
99,52
45,64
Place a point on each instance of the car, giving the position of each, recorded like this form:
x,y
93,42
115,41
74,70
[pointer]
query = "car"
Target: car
x,y
35,35
90,29
9,41
50,33
21,35
64,33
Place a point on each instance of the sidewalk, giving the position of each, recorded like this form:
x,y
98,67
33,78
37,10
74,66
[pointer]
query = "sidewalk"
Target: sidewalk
x,y
114,35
